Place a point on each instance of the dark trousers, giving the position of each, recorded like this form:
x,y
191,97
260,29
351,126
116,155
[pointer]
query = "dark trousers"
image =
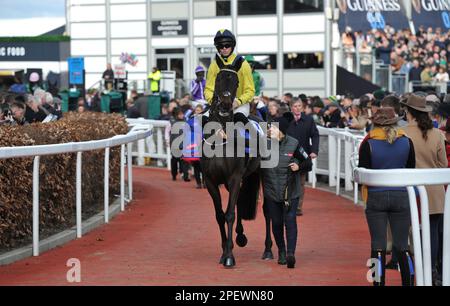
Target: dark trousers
x,y
392,206
197,172
436,224
179,164
284,217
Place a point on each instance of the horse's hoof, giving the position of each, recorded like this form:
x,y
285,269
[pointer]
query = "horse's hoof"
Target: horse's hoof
x,y
268,255
229,262
241,240
222,260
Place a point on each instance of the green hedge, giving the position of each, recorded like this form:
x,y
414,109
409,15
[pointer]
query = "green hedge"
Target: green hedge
x,y
44,38
57,175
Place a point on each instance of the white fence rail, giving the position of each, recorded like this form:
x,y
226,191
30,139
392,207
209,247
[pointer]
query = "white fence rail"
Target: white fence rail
x,y
155,146
337,163
38,151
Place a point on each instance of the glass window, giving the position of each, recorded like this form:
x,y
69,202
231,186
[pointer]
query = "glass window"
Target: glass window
x,y
223,8
302,6
264,61
303,60
257,7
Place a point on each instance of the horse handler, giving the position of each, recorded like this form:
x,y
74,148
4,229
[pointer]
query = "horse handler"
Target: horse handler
x,y
282,190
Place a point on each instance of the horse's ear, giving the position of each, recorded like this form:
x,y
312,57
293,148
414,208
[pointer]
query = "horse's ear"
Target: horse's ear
x,y
289,116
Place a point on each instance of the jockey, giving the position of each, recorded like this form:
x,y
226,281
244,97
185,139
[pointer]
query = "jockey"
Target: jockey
x,y
225,43
198,87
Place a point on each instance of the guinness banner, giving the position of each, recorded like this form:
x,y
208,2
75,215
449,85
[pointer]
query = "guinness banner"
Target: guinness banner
x,y
431,13
364,15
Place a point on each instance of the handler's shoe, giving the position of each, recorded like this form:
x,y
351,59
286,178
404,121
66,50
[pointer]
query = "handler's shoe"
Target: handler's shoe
x,y
282,258
290,259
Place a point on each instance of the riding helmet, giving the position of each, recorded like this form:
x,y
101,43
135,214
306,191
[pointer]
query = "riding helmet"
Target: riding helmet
x,y
224,36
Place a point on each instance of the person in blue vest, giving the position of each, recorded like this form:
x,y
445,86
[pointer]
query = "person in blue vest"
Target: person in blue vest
x,y
387,147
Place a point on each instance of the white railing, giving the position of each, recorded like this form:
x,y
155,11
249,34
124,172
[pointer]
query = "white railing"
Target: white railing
x,y
155,146
38,151
334,168
419,178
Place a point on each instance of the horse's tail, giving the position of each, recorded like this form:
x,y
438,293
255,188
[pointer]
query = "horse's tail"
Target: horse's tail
x,y
248,196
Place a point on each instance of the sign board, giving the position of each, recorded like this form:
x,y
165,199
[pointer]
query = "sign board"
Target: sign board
x,y
375,14
431,13
33,51
170,28
207,50
76,70
120,72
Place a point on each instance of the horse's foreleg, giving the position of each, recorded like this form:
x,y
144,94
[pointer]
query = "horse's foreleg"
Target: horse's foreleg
x,y
214,192
230,217
268,244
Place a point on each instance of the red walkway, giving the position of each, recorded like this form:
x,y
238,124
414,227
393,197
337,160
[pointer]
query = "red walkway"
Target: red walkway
x,y
169,236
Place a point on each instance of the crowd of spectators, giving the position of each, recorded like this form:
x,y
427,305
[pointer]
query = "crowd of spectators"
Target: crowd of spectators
x,y
22,104
424,56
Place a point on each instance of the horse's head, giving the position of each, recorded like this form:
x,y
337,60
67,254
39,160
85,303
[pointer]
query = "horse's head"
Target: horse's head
x,y
227,82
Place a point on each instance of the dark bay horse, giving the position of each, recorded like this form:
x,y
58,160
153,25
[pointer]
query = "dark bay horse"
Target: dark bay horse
x,y
239,175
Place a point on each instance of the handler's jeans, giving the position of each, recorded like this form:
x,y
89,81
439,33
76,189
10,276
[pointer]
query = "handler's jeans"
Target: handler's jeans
x,y
282,217
392,206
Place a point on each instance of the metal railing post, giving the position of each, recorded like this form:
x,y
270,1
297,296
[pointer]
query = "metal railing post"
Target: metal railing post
x,y
122,177
130,172
348,167
36,205
426,244
331,159
106,192
78,196
446,247
338,166
416,236
160,144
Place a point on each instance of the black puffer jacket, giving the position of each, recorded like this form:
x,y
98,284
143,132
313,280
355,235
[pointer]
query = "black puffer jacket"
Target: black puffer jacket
x,y
275,180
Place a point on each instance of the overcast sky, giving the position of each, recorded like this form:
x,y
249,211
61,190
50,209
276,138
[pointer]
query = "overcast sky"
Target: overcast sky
x,y
15,9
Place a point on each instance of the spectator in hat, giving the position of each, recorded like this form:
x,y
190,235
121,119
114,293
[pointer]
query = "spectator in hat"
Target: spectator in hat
x,y
430,152
282,189
332,116
34,82
387,147
394,102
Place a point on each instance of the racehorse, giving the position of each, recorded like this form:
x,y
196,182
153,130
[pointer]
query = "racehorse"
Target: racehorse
x,y
239,175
